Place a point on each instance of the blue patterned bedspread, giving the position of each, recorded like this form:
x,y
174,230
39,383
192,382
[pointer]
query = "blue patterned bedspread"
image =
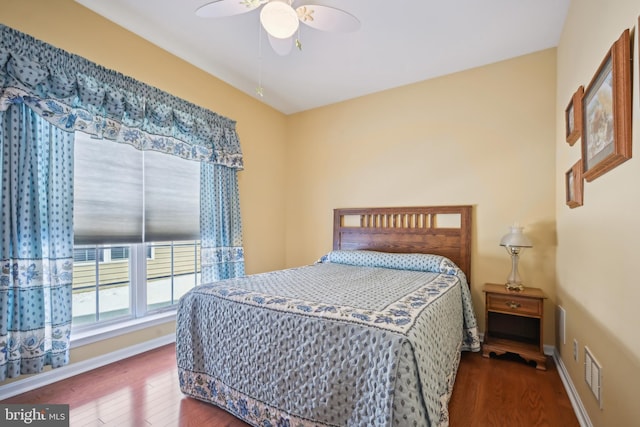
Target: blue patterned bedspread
x,y
360,338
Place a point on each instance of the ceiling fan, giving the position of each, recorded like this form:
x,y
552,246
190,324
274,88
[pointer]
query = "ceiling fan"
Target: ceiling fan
x,y
281,21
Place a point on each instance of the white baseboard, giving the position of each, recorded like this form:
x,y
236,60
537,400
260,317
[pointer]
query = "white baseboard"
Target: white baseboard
x,y
49,377
578,407
548,350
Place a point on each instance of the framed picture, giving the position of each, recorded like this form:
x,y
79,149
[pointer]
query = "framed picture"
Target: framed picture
x,y
606,112
574,185
573,117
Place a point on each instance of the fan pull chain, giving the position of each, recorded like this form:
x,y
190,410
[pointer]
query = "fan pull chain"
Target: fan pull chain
x,y
298,43
260,89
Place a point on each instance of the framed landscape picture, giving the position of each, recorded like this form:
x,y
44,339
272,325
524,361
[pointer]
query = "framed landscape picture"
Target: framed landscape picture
x,y
573,117
606,112
574,185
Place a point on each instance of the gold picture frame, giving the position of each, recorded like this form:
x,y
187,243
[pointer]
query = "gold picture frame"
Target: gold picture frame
x,y
573,117
574,185
606,112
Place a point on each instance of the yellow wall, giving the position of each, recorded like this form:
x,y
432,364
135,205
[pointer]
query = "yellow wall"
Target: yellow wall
x,y
598,243
483,137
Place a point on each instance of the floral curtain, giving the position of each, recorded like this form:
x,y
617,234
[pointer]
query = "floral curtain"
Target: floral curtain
x,y
74,93
36,252
58,93
222,255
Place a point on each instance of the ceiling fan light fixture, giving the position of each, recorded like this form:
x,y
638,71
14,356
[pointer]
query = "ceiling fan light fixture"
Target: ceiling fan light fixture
x,y
279,19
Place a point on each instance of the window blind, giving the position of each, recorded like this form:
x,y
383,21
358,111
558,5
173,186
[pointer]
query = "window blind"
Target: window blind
x,y
172,198
124,195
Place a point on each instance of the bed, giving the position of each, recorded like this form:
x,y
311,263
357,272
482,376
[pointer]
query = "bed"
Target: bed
x,y
369,335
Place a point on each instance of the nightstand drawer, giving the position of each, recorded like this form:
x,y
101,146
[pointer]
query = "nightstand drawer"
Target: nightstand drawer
x,y
514,304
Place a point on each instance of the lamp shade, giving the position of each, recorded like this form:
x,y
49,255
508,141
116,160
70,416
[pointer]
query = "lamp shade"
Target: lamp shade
x,y
515,238
279,19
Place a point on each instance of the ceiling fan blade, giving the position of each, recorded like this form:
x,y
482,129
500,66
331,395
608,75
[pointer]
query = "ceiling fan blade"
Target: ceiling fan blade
x,y
281,46
220,8
327,18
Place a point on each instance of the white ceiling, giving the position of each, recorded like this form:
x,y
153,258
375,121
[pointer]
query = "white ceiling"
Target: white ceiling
x,y
399,42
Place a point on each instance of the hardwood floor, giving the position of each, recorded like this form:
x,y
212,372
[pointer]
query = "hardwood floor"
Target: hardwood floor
x,y
143,391
490,392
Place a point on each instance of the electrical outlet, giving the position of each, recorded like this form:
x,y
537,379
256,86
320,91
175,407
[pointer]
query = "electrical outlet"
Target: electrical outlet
x,y
575,349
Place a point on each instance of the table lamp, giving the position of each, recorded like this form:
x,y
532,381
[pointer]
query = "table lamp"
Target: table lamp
x,y
514,242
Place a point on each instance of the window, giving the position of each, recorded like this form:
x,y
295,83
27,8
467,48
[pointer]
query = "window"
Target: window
x,y
105,289
136,225
119,252
174,270
101,290
81,254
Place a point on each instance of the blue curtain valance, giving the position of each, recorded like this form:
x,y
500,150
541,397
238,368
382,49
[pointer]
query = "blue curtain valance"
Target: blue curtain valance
x,y
74,93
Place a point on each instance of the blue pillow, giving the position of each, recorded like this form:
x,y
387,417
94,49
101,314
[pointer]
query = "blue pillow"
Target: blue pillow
x,y
400,261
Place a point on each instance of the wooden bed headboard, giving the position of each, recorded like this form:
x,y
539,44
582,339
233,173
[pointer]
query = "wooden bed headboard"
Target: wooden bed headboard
x,y
440,230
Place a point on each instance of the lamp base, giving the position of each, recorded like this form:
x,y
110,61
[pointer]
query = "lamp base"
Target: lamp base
x,y
514,287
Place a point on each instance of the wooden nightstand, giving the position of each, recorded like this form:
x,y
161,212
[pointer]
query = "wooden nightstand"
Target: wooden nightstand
x,y
514,321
